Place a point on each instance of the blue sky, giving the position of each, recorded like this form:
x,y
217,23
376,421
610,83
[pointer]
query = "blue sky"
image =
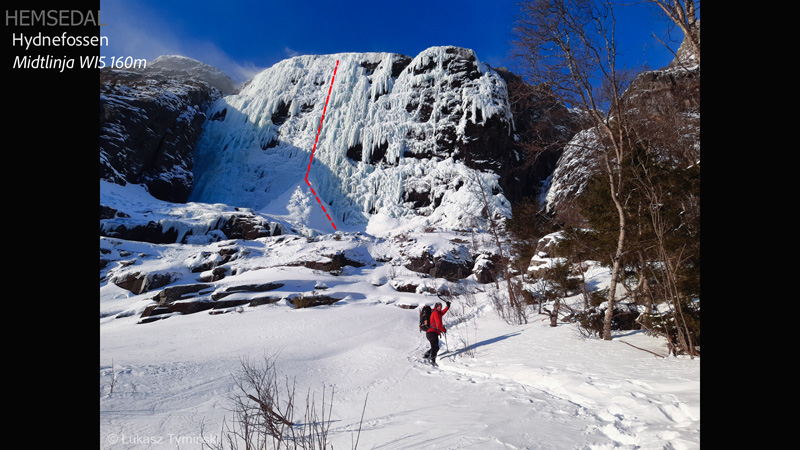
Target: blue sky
x,y
242,37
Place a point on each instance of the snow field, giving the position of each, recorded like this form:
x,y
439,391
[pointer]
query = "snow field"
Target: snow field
x,y
498,385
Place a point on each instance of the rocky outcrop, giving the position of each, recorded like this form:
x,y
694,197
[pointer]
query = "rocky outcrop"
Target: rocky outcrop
x,y
231,223
248,288
667,103
330,263
194,298
487,268
451,261
663,106
449,267
541,126
141,282
150,120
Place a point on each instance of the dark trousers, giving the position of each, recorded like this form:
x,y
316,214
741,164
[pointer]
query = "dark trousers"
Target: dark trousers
x,y
433,338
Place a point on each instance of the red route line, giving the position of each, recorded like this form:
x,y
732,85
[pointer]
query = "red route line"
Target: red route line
x,y
313,150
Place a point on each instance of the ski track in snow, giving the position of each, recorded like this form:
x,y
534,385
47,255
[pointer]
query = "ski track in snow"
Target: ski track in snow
x,y
561,403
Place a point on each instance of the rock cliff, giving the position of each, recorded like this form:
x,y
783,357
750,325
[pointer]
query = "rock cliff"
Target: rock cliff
x,y
150,120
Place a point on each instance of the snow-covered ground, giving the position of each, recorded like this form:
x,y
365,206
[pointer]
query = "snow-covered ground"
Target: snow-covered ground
x,y
498,385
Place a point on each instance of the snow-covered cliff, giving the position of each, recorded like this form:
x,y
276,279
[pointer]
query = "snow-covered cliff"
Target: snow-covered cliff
x,y
398,139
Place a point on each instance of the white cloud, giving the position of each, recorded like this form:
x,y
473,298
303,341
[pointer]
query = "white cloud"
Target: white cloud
x,y
139,33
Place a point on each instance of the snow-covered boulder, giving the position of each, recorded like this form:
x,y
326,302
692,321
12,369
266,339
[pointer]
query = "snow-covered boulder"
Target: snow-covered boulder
x,y
438,257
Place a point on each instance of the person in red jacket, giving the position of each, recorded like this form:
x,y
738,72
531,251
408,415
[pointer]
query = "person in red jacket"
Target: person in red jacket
x,y
436,329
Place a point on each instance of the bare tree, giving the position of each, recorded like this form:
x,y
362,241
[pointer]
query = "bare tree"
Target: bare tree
x,y
113,376
570,47
517,305
264,413
685,14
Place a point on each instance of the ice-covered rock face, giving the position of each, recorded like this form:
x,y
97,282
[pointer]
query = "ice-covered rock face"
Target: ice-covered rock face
x,y
150,120
395,138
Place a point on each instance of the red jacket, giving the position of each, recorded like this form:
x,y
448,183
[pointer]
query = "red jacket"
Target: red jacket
x,y
436,321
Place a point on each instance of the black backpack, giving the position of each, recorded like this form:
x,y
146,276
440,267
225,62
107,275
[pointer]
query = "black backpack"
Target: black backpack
x,y
424,316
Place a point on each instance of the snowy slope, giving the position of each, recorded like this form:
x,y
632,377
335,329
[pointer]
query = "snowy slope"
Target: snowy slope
x,y
380,143
498,386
